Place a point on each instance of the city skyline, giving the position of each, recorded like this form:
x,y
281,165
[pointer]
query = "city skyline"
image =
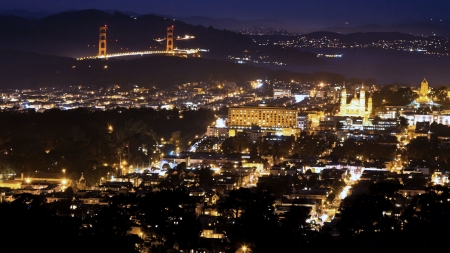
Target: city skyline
x,y
128,128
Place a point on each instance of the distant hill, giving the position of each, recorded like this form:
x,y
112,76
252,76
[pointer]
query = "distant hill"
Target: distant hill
x,y
26,13
351,38
27,69
362,37
233,24
24,69
75,34
418,29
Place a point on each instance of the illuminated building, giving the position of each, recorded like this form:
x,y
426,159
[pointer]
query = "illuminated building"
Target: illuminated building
x,y
13,184
281,93
424,88
263,116
36,182
303,120
300,97
439,118
393,112
278,119
356,107
256,84
220,130
423,92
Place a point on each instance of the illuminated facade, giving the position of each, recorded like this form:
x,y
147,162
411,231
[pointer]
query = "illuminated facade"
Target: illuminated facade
x,y
263,116
281,93
423,92
220,130
356,107
413,119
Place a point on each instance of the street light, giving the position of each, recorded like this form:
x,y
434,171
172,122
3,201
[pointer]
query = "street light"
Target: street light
x,y
63,184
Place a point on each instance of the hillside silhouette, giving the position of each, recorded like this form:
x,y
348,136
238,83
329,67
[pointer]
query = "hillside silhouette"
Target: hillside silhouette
x,y
26,70
75,34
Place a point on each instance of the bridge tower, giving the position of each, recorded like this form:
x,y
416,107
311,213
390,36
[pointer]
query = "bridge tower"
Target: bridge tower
x,y
102,42
169,39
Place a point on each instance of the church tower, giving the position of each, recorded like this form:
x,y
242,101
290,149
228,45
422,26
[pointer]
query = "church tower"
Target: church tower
x,y
362,97
424,88
362,103
369,106
344,97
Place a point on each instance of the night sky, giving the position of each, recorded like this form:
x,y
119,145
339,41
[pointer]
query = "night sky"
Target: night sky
x,y
318,13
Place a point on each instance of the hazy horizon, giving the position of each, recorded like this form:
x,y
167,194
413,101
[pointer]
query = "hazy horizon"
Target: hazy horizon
x,y
317,14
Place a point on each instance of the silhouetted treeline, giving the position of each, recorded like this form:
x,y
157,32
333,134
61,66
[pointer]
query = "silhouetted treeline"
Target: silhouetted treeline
x,y
390,95
382,221
395,222
84,141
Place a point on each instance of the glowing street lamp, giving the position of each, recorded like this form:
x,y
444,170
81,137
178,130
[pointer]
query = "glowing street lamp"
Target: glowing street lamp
x,y
110,128
63,184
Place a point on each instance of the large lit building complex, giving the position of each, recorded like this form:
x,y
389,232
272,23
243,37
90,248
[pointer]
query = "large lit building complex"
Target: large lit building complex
x,y
278,119
263,116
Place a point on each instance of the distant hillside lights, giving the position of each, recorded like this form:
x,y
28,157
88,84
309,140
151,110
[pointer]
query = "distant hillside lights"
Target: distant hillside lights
x,y
330,55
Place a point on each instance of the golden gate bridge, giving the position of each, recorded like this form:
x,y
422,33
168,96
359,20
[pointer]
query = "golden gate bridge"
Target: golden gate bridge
x,y
170,50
